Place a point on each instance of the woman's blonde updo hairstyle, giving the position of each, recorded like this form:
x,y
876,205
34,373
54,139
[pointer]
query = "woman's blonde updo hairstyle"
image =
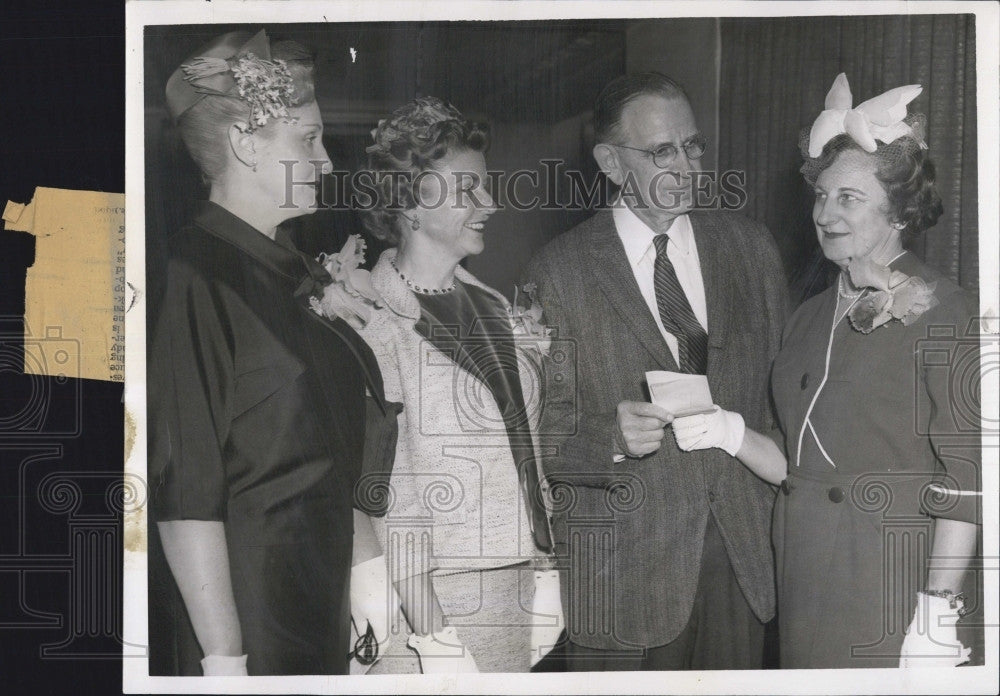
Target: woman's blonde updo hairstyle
x,y
204,127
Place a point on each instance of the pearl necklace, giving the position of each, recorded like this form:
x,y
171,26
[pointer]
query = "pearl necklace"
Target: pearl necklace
x,y
419,289
845,300
842,290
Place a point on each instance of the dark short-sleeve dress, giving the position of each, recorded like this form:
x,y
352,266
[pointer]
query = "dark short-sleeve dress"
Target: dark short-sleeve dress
x,y
881,433
257,414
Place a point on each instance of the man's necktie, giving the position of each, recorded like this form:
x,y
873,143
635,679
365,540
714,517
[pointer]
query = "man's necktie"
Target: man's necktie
x,y
676,313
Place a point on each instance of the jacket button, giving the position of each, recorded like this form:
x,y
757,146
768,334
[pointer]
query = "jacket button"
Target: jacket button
x,y
786,487
836,494
805,380
711,497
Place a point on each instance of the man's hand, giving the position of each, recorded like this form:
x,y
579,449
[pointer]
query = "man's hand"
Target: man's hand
x,y
639,428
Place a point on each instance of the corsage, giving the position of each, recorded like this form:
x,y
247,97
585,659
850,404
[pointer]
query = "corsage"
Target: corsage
x,y
895,296
526,320
350,296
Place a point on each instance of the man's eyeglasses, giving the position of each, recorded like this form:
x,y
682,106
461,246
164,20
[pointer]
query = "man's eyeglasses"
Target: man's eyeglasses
x,y
664,155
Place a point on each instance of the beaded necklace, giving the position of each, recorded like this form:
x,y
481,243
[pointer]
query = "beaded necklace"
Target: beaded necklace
x,y
418,288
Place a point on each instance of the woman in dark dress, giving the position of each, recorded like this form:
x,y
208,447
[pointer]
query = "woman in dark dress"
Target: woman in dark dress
x,y
875,391
257,405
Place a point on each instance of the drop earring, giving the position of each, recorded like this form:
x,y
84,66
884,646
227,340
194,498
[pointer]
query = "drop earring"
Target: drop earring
x,y
414,222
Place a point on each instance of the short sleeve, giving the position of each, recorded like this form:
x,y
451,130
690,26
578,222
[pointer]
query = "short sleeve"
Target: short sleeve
x,y
190,377
949,365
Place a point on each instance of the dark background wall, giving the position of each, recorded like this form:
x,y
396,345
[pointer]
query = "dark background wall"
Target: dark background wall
x,y
534,82
754,84
62,124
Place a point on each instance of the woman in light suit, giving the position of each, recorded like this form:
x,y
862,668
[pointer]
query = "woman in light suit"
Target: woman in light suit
x,y
466,520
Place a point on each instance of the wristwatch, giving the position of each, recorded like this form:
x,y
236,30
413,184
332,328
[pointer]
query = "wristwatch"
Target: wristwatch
x,y
956,600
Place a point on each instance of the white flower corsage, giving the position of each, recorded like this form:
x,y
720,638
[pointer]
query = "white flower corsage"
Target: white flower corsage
x,y
350,296
896,296
526,322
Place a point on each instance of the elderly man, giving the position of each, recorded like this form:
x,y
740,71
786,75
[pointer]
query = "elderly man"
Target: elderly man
x,y
668,554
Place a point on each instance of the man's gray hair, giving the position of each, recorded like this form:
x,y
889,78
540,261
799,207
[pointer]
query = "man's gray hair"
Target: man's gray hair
x,y
616,95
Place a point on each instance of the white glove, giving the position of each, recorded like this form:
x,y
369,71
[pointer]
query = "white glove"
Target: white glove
x,y
548,622
932,640
373,599
720,428
224,666
442,652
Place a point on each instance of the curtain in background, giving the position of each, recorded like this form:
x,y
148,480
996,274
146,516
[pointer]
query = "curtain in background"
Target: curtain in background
x,y
774,77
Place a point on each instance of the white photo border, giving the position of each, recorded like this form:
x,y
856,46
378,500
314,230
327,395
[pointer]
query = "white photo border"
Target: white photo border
x,y
967,680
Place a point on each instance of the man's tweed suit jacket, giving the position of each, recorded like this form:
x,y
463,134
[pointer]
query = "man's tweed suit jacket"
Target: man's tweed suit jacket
x,y
632,532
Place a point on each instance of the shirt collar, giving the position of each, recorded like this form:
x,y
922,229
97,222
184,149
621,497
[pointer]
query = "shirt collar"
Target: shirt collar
x,y
279,256
637,236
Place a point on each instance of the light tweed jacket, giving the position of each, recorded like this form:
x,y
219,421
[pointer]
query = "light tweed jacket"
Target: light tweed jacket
x,y
455,499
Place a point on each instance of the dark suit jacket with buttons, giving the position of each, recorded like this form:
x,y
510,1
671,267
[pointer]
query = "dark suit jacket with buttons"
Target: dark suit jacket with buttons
x,y
631,533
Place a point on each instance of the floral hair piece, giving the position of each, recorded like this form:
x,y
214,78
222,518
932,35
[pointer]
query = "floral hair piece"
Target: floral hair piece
x,y
266,85
880,118
416,121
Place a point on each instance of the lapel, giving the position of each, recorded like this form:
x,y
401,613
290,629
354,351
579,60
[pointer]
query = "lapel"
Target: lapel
x,y
716,275
401,301
301,274
397,297
611,268
361,352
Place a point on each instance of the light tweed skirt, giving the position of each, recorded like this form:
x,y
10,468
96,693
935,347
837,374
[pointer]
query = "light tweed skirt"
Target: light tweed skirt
x,y
491,611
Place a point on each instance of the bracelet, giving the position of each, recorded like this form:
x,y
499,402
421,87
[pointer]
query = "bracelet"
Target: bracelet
x,y
956,600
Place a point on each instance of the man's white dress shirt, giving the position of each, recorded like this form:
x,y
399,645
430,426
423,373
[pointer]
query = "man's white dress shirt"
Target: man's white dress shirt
x,y
637,238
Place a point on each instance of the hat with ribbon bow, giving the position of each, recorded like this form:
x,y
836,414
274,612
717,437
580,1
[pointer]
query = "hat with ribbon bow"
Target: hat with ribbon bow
x,y
880,118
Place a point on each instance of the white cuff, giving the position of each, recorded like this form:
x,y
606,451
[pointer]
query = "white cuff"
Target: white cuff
x,y
736,430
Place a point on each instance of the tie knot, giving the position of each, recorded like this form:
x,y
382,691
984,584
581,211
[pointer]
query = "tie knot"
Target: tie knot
x,y
660,242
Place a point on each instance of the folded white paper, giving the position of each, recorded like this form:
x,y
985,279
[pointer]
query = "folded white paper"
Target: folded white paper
x,y
679,393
